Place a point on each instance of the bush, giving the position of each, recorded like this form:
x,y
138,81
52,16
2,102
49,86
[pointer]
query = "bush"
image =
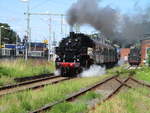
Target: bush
x,y
148,59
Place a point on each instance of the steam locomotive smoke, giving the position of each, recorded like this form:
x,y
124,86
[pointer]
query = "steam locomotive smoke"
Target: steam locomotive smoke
x,y
120,27
57,72
121,62
135,27
88,12
94,70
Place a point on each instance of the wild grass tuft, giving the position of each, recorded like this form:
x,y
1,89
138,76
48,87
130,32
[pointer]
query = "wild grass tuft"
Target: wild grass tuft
x,y
68,108
89,96
79,106
143,74
20,68
131,101
31,100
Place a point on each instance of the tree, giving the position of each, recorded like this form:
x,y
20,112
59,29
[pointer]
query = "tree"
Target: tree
x,y
8,35
148,58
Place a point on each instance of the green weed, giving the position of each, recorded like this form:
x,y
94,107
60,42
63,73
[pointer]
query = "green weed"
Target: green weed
x,y
19,68
31,100
68,108
131,101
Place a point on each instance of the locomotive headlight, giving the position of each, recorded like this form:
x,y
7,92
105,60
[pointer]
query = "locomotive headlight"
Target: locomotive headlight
x,y
78,60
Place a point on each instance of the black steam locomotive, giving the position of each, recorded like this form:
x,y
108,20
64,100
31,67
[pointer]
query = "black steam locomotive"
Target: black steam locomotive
x,y
79,51
134,57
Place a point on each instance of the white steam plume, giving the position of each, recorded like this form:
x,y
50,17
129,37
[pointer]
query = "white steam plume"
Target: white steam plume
x,y
94,70
57,72
121,62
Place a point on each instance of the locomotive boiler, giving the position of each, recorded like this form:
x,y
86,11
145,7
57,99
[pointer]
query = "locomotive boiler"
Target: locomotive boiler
x,y
79,51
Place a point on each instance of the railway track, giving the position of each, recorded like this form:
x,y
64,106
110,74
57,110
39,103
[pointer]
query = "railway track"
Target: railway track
x,y
23,79
119,84
132,67
32,84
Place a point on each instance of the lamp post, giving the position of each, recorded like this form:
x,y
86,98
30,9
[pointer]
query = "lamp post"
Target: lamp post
x,y
28,29
16,44
49,43
0,36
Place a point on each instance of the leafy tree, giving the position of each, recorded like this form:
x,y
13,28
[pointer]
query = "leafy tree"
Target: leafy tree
x,y
148,58
8,35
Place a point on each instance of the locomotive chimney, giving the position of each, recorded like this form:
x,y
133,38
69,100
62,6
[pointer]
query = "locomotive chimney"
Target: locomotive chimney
x,y
71,32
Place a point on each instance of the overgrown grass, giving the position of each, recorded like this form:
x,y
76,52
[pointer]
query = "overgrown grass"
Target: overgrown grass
x,y
143,74
89,96
30,100
133,101
79,106
10,69
119,70
69,108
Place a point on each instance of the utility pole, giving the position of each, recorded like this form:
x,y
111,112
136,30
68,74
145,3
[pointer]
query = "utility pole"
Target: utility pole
x,y
53,45
49,42
28,29
16,44
49,14
28,22
54,41
26,48
28,41
0,37
62,23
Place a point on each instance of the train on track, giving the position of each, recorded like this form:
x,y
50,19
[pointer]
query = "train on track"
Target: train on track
x,y
139,53
134,57
79,51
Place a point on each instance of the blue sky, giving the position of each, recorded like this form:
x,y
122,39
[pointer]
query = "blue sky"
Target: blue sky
x,y
12,12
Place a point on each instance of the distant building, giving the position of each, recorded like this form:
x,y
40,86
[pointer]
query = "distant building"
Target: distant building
x,y
38,49
145,49
38,46
124,52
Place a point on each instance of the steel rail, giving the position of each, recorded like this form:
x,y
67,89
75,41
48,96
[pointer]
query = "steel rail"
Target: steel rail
x,y
34,87
26,83
73,96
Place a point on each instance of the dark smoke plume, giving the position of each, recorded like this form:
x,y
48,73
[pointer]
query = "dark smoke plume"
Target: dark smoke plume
x,y
135,27
88,12
110,22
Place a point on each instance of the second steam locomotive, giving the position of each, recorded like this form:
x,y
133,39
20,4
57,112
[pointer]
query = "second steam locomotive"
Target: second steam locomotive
x,y
79,51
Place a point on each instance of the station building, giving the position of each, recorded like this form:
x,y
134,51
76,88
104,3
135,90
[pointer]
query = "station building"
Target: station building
x,y
145,49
